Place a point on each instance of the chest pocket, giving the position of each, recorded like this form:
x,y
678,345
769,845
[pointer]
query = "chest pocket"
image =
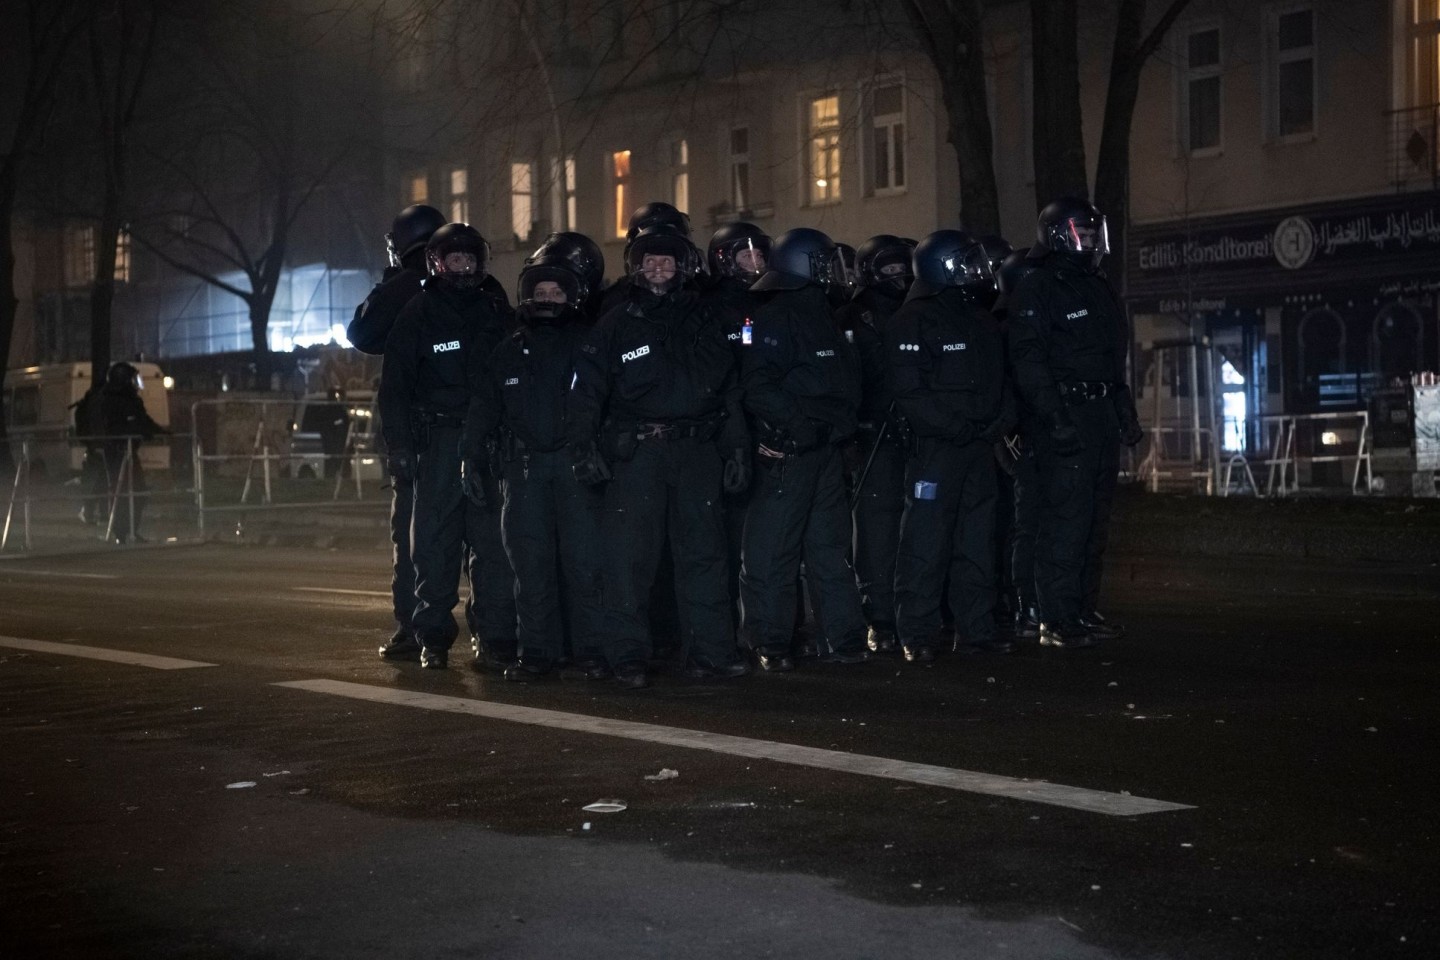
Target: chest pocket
x,y
641,366
955,358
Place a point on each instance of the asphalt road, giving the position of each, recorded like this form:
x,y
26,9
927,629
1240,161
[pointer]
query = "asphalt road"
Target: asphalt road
x,y
1297,731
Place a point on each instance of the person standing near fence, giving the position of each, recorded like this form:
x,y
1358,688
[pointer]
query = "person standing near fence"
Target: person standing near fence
x,y
123,422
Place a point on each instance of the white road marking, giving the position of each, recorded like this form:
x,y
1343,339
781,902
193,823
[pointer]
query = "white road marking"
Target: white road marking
x,y
61,573
347,593
1077,798
100,653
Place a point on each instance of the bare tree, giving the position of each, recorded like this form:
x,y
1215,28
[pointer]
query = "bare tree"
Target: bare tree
x,y
38,47
1059,139
951,32
122,46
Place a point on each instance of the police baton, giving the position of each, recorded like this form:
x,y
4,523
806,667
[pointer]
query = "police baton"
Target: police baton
x,y
869,461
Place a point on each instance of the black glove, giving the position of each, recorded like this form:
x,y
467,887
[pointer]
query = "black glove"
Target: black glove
x,y
1131,432
472,481
401,467
737,471
589,467
1064,435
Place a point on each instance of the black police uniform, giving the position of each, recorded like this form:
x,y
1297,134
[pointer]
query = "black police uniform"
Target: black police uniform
x,y
1067,340
947,367
652,380
801,379
425,391
548,520
732,305
880,502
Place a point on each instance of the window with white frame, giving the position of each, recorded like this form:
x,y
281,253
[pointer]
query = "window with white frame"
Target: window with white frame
x,y
459,195
822,154
122,257
1201,90
887,122
1423,40
1292,73
620,176
79,256
680,174
417,187
740,169
522,200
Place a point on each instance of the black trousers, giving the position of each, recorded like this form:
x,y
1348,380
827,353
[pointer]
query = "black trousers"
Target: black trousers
x,y
878,510
550,522
402,577
799,512
446,530
1077,494
952,534
1025,523
670,487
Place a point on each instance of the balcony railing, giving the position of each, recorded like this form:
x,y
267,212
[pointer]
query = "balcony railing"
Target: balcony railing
x,y
1413,159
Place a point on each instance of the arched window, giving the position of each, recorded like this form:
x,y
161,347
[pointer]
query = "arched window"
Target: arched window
x,y
1396,341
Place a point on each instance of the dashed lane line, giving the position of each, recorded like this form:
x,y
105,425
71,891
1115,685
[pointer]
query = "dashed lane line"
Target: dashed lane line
x,y
100,653
970,781
60,573
345,593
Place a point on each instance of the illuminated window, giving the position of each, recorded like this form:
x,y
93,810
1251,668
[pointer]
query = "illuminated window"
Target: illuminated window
x,y
1292,74
79,256
822,171
740,168
1424,65
680,179
620,171
419,188
887,111
122,257
459,195
1201,92
522,200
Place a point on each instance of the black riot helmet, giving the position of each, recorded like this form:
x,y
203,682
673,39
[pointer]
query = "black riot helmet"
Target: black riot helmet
x,y
799,257
656,242
580,252
1075,229
883,262
410,231
543,271
1012,270
997,248
122,377
454,241
657,213
950,258
739,250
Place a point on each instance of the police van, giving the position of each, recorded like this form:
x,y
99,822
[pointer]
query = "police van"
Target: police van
x,y
40,407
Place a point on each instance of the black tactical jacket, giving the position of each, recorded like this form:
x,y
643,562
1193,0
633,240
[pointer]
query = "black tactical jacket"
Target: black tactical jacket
x,y
947,366
864,320
1064,325
524,386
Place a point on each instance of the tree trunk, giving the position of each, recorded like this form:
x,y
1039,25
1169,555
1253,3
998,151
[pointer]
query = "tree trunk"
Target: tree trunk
x,y
260,339
1059,139
9,304
102,291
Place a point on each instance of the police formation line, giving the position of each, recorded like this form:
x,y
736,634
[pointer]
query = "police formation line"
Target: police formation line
x,y
917,442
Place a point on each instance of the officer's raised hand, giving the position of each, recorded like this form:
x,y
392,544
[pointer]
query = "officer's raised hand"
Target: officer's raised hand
x,y
736,478
589,467
472,481
1065,436
401,467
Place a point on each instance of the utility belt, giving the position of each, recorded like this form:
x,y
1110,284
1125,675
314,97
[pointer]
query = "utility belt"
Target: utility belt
x,y
512,448
897,430
423,421
1077,392
619,439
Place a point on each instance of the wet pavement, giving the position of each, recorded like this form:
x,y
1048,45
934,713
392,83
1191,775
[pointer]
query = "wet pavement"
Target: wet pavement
x,y
1296,717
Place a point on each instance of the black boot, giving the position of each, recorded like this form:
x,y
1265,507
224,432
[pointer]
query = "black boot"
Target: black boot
x,y
1027,621
881,638
402,646
1100,628
1065,636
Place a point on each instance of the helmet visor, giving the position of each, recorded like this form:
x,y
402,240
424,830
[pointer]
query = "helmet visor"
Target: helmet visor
x,y
745,259
659,262
891,268
968,267
1085,235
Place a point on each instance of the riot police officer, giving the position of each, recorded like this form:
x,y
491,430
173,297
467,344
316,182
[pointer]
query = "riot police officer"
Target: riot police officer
x,y
947,363
1024,503
548,520
584,257
649,402
124,423
737,254
368,331
656,213
883,276
1068,339
802,388
425,391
